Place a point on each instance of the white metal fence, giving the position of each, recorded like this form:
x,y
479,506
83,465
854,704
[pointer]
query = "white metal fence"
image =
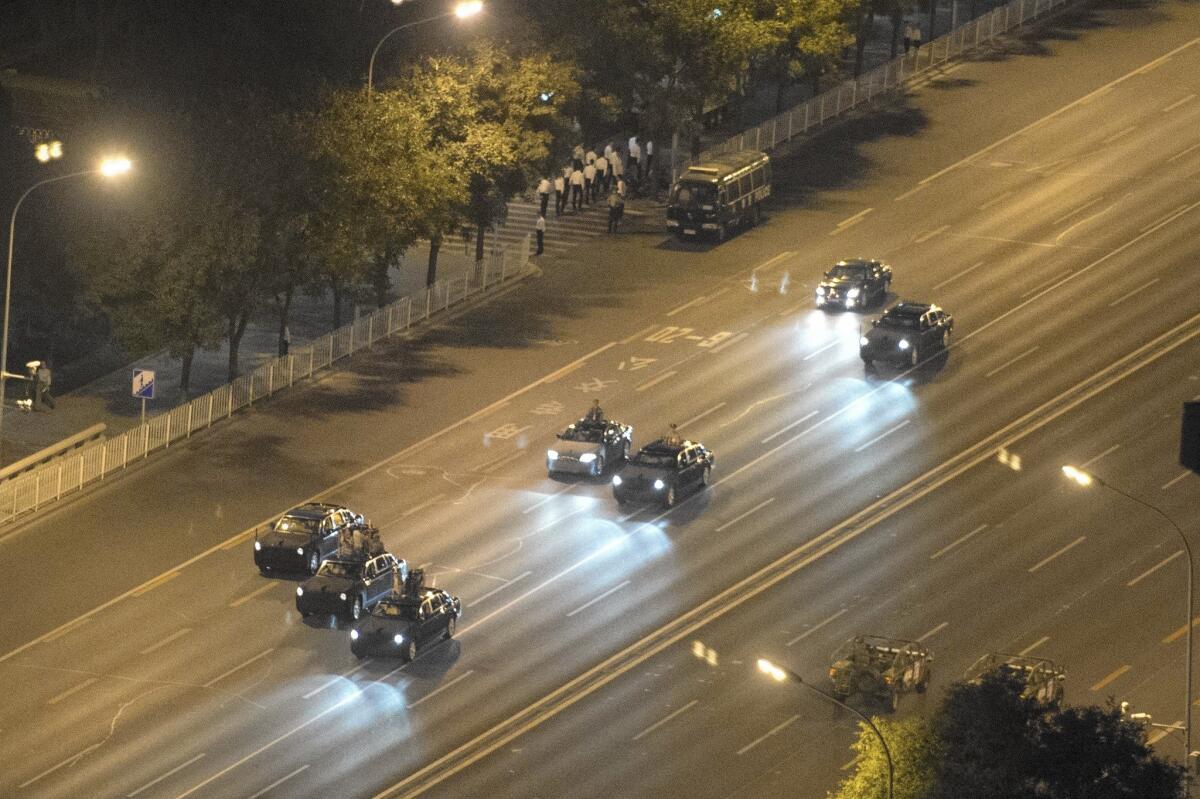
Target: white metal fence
x,y
47,484
884,78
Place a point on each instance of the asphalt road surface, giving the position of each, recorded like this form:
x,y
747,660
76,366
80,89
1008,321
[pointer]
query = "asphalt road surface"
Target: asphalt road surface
x,y
1049,197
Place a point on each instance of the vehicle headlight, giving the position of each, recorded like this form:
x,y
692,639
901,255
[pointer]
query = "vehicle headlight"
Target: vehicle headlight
x,y
299,591
854,292
551,455
820,291
659,485
862,341
299,550
342,596
616,479
398,638
354,635
587,457
903,344
258,546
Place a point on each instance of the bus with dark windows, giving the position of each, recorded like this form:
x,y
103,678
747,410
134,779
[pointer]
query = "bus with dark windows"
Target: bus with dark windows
x,y
725,192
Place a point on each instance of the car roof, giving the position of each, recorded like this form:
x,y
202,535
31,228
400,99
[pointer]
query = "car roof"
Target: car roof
x,y
312,510
857,262
661,447
910,309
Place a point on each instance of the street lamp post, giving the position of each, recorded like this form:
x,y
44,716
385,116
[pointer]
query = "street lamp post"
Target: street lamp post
x,y
779,674
1085,479
109,168
464,9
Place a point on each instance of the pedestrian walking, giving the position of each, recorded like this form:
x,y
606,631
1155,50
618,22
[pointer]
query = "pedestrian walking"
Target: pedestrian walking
x,y
543,189
560,195
541,233
601,172
577,190
635,157
44,376
613,200
589,183
916,37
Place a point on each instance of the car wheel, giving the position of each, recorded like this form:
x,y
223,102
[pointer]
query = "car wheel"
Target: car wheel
x,y
625,451
451,623
704,476
945,339
357,654
670,500
356,608
721,233
914,358
924,683
868,364
314,561
410,651
756,217
599,465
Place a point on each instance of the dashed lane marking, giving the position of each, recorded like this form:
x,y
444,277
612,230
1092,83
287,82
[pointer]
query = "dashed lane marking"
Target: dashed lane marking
x,y
1062,551
669,717
279,782
737,519
162,777
773,731
957,541
1110,677
816,627
434,693
1153,569
237,603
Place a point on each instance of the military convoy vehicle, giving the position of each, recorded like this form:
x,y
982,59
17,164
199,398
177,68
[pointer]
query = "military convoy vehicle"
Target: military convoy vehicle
x,y
879,668
1043,679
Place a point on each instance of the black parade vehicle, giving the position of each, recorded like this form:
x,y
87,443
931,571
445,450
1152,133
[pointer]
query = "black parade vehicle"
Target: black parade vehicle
x,y
663,471
303,537
906,334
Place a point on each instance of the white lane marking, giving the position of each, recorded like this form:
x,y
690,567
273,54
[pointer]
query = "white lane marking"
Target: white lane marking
x,y
497,589
666,719
239,667
542,502
828,346
934,631
1152,569
737,519
763,401
687,305
1034,645
418,508
1041,287
336,679
280,781
737,278
995,200
548,525
654,381
816,627
700,416
1069,546
801,420
1175,480
911,192
1111,676
1072,213
1102,90
854,220
1164,219
1011,361
591,602
929,234
164,641
881,436
68,761
1095,458
159,779
496,464
1129,294
1119,134
957,541
730,342
441,688
957,276
1179,102
1058,239
1158,735
1182,153
256,592
762,738
390,460
639,334
54,700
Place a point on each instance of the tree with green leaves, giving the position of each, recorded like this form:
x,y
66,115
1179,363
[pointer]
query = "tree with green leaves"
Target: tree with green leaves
x,y
988,741
814,32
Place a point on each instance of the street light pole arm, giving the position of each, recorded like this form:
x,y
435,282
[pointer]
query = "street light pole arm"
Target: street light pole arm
x,y
388,35
887,753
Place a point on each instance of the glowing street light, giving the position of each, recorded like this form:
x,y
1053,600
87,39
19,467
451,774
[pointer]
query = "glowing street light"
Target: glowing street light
x,y
780,674
1085,479
110,167
463,9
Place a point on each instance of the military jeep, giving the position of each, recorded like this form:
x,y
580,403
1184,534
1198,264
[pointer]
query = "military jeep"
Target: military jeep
x,y
880,668
1042,677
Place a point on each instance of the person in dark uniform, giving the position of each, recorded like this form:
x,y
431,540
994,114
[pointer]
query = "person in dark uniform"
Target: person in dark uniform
x,y
673,437
595,413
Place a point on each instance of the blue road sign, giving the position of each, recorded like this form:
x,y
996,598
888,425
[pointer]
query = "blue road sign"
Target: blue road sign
x,y
143,383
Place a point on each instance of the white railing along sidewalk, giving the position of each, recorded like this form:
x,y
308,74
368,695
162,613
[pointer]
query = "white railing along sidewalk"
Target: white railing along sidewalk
x,y
34,489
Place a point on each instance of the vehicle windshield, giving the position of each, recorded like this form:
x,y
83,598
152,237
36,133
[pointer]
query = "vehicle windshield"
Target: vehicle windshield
x,y
397,610
587,433
340,568
297,525
690,194
657,459
902,321
845,271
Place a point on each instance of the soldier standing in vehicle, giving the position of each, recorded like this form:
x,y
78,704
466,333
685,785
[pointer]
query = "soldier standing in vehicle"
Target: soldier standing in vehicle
x,y
595,413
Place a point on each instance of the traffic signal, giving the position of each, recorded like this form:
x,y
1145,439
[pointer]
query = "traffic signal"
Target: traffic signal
x,y
1189,439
